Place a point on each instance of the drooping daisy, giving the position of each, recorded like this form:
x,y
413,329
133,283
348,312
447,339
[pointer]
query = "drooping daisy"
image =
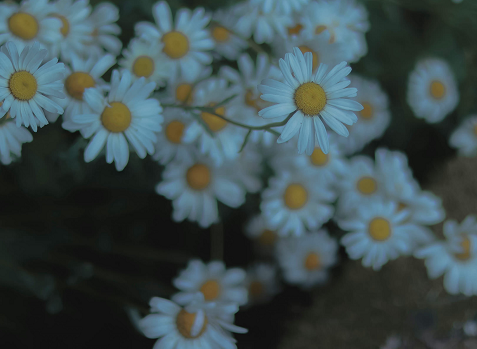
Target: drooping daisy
x,y
11,137
464,138
125,117
194,326
305,259
105,31
145,60
194,186
213,280
456,257
28,23
310,97
185,43
261,283
27,84
432,90
227,44
259,231
295,201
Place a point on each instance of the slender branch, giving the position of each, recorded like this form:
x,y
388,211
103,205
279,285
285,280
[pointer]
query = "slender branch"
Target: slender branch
x,y
245,140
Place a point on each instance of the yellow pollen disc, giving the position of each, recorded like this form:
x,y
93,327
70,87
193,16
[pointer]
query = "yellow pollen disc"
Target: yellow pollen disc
x,y
65,28
77,82
198,177
379,229
116,118
310,98
367,112
143,66
295,196
255,289
267,238
176,44
312,261
465,245
184,93
22,85
174,131
214,122
23,25
184,323
437,89
220,34
251,101
315,59
295,30
320,29
210,289
366,185
318,158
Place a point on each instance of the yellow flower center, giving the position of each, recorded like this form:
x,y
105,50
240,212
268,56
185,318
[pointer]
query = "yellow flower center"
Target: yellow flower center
x,y
315,59
251,101
379,229
295,30
210,289
267,238
310,98
143,66
367,112
22,85
174,131
312,261
465,244
220,34
184,323
65,28
77,82
184,93
198,177
318,158
255,289
367,185
214,122
321,28
437,89
23,25
176,44
295,196
116,118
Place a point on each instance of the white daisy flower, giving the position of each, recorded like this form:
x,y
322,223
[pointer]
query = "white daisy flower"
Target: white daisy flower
x,y
213,280
261,283
285,6
221,140
145,60
379,232
126,116
169,145
305,259
310,96
295,201
105,31
11,138
464,137
29,22
227,44
27,84
260,232
456,257
195,326
185,44
432,90
195,185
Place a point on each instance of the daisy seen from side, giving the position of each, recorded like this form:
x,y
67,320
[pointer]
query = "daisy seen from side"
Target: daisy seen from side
x,y
464,137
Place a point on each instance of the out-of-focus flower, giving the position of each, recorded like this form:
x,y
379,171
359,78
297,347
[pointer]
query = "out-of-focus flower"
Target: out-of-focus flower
x,y
11,137
285,6
227,43
464,138
258,230
105,31
261,283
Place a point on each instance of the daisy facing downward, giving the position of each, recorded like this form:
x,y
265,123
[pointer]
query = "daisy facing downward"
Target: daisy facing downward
x,y
310,96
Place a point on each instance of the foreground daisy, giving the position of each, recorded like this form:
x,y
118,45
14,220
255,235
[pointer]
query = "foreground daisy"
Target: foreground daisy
x,y
27,84
213,280
464,138
126,116
432,90
11,138
310,97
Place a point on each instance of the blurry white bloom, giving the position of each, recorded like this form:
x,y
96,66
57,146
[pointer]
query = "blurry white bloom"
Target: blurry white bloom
x,y
185,42
182,90
195,185
247,169
105,30
261,283
296,201
464,137
285,6
29,22
432,90
28,84
310,96
213,280
227,43
305,259
195,326
11,137
258,230
126,116
456,257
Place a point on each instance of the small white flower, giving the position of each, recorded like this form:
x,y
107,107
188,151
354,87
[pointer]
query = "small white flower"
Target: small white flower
x,y
28,84
105,31
456,257
186,42
464,138
432,90
305,259
227,43
213,280
258,230
261,283
126,116
310,97
11,138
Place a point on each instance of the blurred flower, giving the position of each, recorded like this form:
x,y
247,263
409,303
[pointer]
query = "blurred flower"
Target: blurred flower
x,y
464,138
285,6
258,231
261,283
227,43
105,30
11,137
247,169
